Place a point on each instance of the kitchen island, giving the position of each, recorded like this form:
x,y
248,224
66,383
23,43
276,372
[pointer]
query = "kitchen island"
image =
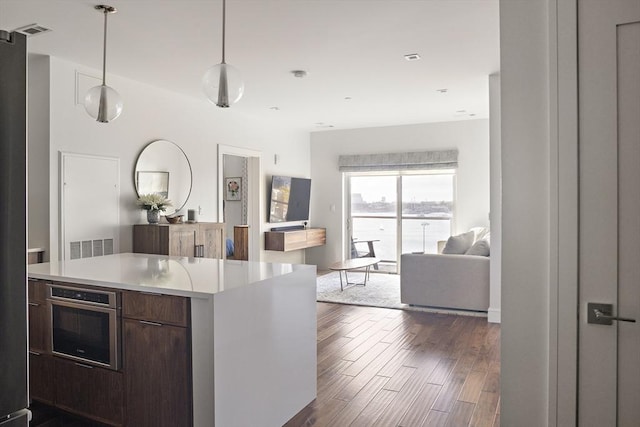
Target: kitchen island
x,y
251,329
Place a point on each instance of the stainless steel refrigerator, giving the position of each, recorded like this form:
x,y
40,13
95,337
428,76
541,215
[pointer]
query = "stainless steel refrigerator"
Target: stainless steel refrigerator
x,y
13,230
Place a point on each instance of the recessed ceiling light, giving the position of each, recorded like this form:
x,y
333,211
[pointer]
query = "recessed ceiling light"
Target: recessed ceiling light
x,y
347,98
472,114
412,57
461,111
32,29
442,90
274,108
299,73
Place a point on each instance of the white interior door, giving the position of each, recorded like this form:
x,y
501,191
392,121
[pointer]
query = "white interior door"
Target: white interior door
x,y
609,87
90,206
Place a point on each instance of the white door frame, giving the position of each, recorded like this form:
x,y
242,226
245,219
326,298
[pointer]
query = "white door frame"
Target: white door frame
x,y
255,199
563,210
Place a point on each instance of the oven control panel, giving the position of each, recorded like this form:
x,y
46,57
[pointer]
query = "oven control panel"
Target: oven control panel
x,y
94,297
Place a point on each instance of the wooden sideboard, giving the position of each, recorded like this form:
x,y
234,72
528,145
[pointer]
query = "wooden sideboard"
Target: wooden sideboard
x,y
291,240
201,239
241,242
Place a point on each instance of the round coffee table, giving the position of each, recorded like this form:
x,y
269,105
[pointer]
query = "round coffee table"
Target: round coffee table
x,y
352,264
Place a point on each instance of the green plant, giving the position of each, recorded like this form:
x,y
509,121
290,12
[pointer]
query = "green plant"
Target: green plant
x,y
153,202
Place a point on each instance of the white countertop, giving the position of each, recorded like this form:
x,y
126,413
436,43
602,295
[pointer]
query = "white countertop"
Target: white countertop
x,y
190,277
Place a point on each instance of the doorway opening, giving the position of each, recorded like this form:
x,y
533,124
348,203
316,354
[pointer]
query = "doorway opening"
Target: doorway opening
x,y
239,200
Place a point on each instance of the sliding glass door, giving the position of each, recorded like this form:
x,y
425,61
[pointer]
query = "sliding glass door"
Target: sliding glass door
x,y
374,216
400,212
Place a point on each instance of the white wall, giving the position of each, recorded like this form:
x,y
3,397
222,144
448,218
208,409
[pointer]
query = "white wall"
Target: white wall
x,y
524,74
470,137
154,113
38,152
496,198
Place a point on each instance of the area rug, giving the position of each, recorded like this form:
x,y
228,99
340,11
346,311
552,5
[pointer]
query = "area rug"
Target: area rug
x,y
382,290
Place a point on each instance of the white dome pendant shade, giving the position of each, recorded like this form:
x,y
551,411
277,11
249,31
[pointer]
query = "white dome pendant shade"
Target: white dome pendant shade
x,y
102,102
222,83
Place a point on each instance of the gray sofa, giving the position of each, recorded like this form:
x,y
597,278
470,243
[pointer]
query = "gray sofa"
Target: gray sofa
x,y
445,281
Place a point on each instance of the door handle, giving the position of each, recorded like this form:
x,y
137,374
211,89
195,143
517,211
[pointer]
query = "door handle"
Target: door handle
x,y
602,314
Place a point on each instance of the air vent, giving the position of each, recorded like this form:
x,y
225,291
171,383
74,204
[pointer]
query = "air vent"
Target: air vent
x,y
32,29
90,248
412,57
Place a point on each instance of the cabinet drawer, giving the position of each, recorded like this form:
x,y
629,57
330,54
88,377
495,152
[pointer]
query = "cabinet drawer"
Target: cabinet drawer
x,y
92,392
37,290
41,378
157,375
165,309
39,327
316,237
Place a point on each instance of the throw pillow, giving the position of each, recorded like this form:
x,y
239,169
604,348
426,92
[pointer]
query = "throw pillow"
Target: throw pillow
x,y
479,248
460,244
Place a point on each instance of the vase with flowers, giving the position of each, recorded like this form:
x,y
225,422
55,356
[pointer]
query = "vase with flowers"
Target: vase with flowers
x,y
154,204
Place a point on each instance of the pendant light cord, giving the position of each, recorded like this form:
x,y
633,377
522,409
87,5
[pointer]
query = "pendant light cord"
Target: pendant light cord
x,y
224,19
104,50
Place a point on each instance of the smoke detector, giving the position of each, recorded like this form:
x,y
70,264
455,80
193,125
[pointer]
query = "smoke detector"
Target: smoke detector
x,y
299,73
32,30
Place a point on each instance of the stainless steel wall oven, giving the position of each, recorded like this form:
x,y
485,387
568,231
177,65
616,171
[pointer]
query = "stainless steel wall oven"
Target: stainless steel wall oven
x,y
85,325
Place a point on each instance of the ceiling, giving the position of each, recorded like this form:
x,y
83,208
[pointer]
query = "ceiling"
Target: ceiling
x,y
352,50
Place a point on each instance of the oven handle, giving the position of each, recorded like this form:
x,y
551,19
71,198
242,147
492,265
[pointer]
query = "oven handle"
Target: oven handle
x,y
87,307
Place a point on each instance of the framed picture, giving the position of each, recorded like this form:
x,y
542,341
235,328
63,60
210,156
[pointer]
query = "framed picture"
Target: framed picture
x,y
233,188
153,182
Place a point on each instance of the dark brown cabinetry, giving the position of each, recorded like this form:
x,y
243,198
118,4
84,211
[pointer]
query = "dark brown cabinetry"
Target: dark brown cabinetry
x,y
39,333
241,242
154,386
205,239
40,361
294,239
41,377
89,391
157,360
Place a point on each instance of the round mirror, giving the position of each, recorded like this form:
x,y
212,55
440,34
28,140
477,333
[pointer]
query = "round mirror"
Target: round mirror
x,y
163,168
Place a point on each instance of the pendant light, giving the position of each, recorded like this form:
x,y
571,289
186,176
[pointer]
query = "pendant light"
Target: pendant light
x,y
222,83
102,102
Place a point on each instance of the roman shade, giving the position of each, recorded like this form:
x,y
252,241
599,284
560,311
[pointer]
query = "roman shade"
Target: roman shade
x,y
420,160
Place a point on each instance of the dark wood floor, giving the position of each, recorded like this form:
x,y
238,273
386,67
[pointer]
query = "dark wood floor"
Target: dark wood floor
x,y
384,367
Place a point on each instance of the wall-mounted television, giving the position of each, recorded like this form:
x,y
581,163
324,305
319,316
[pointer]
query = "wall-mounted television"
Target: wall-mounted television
x,y
289,199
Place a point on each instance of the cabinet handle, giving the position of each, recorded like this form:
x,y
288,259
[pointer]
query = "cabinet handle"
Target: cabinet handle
x,y
150,323
34,304
82,365
31,279
150,293
34,353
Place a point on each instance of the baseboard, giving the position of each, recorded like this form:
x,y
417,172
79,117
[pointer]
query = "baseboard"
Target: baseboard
x,y
493,315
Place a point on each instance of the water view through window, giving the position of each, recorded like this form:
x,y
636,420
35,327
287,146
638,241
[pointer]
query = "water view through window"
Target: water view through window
x,y
425,216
